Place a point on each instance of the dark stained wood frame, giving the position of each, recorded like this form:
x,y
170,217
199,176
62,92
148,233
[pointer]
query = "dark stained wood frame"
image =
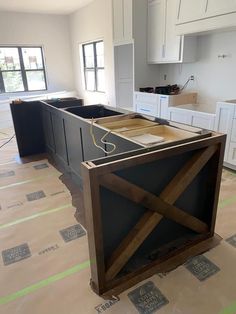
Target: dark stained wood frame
x,y
103,273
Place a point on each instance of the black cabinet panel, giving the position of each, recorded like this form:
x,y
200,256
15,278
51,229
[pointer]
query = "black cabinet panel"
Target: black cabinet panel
x,y
89,149
122,145
59,136
74,145
48,131
28,127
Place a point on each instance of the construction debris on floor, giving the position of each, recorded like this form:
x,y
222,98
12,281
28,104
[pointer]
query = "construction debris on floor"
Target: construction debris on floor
x,y
45,266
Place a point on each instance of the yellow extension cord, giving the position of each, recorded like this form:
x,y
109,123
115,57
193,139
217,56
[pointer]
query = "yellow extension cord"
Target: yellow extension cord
x,y
102,140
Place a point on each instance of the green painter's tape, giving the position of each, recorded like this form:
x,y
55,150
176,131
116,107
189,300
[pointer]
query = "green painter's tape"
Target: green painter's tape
x,y
40,214
227,202
24,182
229,310
44,283
8,163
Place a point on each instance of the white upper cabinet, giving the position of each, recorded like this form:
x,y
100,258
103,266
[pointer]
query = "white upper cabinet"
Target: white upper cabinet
x,y
163,45
190,10
219,7
156,30
172,42
122,21
195,16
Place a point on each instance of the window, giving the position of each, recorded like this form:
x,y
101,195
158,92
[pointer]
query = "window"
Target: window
x,y
22,69
94,74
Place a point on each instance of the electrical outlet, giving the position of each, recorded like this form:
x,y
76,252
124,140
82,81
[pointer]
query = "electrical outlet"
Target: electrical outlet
x,y
165,77
192,78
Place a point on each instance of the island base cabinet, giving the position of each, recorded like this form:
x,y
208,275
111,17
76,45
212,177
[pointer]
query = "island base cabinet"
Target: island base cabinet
x,y
150,211
28,127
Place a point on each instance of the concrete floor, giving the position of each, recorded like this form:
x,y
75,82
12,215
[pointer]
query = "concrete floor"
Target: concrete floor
x,y
44,263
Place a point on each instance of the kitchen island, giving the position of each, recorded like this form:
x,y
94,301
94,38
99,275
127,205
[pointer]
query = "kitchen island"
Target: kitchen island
x,y
150,189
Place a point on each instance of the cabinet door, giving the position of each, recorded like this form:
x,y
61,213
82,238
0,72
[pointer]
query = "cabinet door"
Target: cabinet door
x,y
233,134
59,137
181,116
232,154
74,146
122,21
172,41
48,131
156,31
224,123
128,21
204,121
124,75
147,103
220,7
118,20
191,10
224,118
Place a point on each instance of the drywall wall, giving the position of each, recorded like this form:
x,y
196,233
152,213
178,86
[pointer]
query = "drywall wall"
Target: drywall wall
x,y
92,23
145,74
50,31
214,76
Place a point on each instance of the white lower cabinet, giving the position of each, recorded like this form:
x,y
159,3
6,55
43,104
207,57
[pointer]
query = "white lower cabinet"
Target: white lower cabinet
x,y
231,158
146,103
226,123
203,120
232,154
197,119
158,105
233,134
180,115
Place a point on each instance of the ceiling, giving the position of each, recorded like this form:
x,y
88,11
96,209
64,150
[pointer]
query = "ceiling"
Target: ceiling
x,y
43,6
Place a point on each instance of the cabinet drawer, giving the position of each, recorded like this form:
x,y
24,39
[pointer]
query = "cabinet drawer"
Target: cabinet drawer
x,y
203,121
147,108
181,116
232,154
146,98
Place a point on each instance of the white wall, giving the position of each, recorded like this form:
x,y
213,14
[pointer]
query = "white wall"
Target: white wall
x,y
50,31
145,74
214,77
92,23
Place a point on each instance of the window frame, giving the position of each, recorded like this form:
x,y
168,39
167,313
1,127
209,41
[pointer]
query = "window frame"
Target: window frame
x,y
23,71
94,69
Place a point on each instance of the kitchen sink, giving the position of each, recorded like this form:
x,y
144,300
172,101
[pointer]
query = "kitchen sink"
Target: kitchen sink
x,y
93,111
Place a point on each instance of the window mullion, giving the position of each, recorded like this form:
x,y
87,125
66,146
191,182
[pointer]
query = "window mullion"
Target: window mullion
x,y
44,68
2,87
95,66
84,60
23,72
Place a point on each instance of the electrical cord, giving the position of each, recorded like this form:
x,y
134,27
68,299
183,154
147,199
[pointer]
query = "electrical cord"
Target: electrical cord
x,y
7,141
102,140
191,78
